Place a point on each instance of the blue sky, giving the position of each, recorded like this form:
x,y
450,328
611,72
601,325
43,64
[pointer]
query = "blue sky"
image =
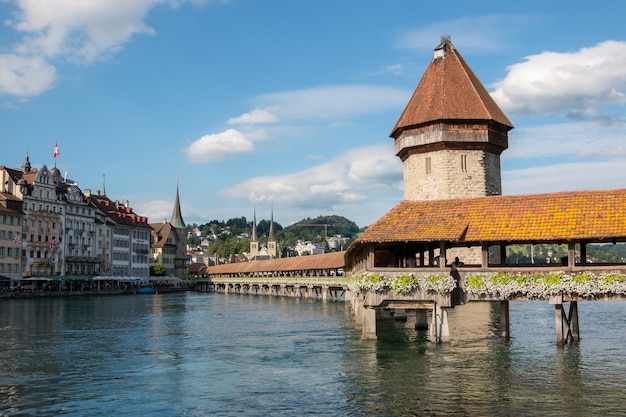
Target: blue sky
x,y
252,103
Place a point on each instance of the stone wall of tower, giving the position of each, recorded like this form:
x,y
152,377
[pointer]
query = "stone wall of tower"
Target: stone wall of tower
x,y
271,248
448,174
254,249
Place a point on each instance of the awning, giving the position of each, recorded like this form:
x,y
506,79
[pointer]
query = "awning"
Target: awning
x,y
72,278
164,279
117,278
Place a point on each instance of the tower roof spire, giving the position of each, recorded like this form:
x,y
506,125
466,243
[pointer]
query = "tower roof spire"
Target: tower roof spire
x,y
271,237
26,164
449,90
253,238
177,219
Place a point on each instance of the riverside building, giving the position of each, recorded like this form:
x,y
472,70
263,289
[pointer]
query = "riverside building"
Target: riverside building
x,y
49,227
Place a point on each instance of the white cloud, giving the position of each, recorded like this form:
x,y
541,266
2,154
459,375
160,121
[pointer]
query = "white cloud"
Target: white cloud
x,y
218,146
552,82
476,34
75,30
254,117
25,76
83,29
154,210
598,175
344,180
332,102
567,140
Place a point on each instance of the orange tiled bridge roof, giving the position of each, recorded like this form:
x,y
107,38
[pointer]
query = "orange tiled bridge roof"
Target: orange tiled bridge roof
x,y
333,260
563,216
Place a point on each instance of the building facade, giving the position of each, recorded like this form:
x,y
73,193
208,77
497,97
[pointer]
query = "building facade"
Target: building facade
x,y
11,216
130,238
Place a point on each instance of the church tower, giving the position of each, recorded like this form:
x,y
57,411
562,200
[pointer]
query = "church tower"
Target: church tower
x,y
181,259
254,241
271,239
451,133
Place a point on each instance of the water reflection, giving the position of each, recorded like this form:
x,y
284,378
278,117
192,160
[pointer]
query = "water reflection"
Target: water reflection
x,y
239,355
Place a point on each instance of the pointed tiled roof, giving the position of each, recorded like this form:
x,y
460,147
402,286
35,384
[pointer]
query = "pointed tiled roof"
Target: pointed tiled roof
x,y
563,216
253,238
271,237
177,218
449,90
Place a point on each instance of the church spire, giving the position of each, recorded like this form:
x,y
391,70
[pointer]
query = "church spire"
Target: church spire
x,y
253,238
271,240
26,164
177,219
254,242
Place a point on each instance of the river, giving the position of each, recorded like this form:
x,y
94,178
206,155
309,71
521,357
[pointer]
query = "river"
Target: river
x,y
199,354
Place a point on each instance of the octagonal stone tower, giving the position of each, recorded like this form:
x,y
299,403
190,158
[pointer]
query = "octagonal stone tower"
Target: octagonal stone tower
x,y
451,133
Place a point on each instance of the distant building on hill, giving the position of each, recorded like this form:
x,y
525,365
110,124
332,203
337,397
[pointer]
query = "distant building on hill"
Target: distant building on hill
x,y
259,251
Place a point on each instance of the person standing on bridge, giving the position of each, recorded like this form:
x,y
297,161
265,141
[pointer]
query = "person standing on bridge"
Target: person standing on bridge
x,y
456,293
456,264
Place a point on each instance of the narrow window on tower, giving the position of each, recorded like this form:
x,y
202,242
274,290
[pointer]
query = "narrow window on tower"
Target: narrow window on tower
x,y
428,167
463,163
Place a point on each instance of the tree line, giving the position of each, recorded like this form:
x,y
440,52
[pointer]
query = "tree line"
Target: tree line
x,y
232,237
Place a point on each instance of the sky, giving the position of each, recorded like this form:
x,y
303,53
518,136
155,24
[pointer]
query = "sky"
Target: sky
x,y
286,106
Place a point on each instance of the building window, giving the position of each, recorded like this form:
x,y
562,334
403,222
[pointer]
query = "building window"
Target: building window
x,y
428,166
463,163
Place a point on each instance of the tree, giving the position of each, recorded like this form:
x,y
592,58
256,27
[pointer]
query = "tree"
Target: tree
x,y
157,270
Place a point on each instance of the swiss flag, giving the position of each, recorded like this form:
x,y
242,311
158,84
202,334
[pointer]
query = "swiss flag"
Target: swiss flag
x,y
56,150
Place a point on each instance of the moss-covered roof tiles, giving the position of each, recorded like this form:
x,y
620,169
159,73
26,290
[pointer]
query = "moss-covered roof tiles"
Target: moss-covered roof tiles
x,y
581,215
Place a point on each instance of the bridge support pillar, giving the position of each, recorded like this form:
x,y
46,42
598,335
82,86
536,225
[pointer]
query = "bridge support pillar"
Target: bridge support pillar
x,y
401,314
439,330
421,320
357,307
369,324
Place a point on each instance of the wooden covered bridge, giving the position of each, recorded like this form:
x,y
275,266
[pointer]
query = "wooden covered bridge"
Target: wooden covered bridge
x,y
314,276
419,238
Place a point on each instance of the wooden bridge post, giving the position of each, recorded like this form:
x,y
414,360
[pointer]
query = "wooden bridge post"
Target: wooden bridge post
x,y
504,319
573,319
566,324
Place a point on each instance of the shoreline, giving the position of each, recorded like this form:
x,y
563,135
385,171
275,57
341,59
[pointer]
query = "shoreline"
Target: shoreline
x,y
56,294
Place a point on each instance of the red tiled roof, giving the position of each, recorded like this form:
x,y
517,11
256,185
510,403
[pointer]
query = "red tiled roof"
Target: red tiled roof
x,y
331,260
563,216
449,90
119,213
196,267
